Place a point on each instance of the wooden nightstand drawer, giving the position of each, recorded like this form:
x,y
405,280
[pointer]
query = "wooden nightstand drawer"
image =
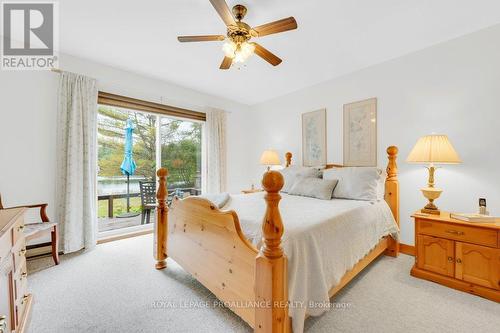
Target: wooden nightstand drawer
x,y
487,237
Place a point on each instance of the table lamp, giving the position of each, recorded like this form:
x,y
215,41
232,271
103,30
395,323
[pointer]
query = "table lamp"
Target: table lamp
x,y
433,149
270,157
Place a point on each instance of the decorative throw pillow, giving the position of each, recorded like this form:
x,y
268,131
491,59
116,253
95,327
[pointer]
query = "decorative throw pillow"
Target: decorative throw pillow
x,y
314,188
295,172
358,183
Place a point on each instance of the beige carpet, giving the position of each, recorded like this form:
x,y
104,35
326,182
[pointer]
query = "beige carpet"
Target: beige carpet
x,y
116,289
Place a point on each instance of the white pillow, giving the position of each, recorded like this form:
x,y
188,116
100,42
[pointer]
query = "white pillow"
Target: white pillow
x,y
314,188
294,173
358,183
381,185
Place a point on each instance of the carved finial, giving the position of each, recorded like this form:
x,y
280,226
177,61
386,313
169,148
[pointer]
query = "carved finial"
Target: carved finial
x,y
392,150
273,181
272,226
288,157
162,192
162,172
392,167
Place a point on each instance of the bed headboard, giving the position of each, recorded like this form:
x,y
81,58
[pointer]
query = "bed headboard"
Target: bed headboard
x,y
391,195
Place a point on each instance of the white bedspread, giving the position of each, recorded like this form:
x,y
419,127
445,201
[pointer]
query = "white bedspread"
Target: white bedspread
x,y
323,239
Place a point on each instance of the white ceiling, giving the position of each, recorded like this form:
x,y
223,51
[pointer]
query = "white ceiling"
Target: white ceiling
x,y
335,37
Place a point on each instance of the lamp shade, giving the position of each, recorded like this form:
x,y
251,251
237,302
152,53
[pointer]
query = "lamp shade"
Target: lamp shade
x,y
434,149
270,157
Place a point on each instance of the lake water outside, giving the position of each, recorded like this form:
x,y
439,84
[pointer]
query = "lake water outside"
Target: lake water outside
x,y
118,185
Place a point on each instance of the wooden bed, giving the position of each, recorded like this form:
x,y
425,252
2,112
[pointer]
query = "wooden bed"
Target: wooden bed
x,y
210,245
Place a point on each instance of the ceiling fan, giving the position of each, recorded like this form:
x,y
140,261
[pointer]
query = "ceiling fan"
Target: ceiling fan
x,y
237,47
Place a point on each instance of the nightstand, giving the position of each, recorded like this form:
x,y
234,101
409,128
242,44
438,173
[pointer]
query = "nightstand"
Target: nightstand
x,y
255,190
457,254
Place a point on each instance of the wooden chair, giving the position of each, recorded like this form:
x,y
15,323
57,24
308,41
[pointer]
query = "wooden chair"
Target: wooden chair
x,y
38,229
148,199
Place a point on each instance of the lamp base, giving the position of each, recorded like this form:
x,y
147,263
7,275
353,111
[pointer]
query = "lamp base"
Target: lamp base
x,y
431,211
431,194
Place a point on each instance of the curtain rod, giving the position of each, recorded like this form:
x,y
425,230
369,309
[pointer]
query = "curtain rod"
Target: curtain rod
x,y
58,71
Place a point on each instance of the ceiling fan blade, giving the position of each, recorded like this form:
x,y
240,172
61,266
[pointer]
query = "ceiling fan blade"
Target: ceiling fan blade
x,y
267,55
204,38
226,63
224,12
276,27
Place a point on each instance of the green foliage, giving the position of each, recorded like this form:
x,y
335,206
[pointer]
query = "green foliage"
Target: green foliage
x,y
180,145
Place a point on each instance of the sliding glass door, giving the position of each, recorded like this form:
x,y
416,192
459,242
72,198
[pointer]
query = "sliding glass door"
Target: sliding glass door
x,y
125,198
181,154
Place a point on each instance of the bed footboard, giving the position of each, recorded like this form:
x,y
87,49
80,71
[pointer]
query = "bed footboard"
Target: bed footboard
x,y
209,244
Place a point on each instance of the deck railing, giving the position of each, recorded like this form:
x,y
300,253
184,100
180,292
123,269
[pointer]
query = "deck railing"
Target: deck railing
x,y
171,192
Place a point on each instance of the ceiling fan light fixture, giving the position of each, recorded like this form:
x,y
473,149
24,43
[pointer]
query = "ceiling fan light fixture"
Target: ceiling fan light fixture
x,y
239,52
236,47
229,48
247,49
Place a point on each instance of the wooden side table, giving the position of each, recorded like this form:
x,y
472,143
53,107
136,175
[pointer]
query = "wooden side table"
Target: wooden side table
x,y
255,190
457,254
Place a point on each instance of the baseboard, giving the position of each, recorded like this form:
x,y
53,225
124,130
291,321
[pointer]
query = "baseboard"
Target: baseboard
x,y
124,236
407,249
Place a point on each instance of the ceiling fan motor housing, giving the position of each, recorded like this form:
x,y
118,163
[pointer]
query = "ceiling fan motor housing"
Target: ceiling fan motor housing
x,y
239,33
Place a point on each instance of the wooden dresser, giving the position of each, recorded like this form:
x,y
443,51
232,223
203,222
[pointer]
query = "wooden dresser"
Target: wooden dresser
x,y
460,255
15,301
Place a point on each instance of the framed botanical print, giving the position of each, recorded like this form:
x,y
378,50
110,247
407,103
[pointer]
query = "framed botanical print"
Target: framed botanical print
x,y
314,138
360,133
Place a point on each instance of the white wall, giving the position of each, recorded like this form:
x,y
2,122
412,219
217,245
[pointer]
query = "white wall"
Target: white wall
x,y
28,105
452,88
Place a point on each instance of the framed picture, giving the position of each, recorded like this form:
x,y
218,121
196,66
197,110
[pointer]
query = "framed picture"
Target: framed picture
x,y
314,138
360,133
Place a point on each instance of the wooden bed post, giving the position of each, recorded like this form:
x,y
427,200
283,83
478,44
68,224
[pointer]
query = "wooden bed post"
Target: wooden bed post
x,y
392,195
161,224
271,290
288,157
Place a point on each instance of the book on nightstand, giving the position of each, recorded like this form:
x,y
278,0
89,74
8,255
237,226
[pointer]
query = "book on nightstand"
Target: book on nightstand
x,y
479,218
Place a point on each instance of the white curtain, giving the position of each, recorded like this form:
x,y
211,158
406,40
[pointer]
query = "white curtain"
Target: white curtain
x,y
215,147
76,188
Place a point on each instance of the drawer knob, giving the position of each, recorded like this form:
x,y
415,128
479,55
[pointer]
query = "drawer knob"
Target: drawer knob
x,y
24,275
455,232
24,299
459,261
20,228
450,259
22,252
